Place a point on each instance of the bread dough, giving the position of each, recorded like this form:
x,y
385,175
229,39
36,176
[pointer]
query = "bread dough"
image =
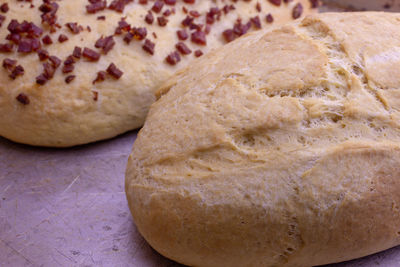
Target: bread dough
x,y
280,149
60,114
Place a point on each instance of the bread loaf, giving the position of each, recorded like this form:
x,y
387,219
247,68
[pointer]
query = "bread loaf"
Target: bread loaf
x,y
281,149
77,71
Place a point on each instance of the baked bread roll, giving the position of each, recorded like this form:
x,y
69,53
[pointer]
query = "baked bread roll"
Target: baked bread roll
x,y
280,149
80,71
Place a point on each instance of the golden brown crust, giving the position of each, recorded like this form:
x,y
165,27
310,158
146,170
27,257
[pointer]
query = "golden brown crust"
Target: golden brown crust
x,y
61,114
285,155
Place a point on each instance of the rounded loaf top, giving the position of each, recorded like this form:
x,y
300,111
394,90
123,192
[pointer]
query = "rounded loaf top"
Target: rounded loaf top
x,y
78,71
280,149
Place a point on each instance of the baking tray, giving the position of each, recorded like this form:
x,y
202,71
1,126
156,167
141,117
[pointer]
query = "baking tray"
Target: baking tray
x,y
67,207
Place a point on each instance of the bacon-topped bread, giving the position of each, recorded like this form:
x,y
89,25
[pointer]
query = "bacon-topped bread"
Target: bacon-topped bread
x,y
78,71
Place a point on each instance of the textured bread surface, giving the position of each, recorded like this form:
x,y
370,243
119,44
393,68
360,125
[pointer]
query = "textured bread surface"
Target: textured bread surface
x,y
61,114
281,149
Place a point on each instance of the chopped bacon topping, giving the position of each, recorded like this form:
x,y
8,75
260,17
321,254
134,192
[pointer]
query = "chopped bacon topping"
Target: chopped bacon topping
x,y
23,99
90,54
149,46
183,49
114,71
199,37
4,8
69,78
101,76
275,2
105,43
95,6
173,58
73,27
297,11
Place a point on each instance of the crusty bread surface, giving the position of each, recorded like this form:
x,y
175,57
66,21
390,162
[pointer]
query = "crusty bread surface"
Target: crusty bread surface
x,y
72,107
281,149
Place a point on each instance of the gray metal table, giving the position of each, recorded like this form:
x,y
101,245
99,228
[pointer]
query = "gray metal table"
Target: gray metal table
x,y
67,207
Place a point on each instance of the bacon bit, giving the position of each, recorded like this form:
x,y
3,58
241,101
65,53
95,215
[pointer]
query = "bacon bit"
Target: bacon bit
x,y
149,46
49,10
95,6
275,2
182,35
143,2
48,70
123,26
149,18
73,27
119,5
101,18
114,71
297,11
187,21
55,61
189,1
6,48
139,33
43,54
154,35
128,37
240,29
106,44
101,76
198,53
25,46
167,13
258,7
269,18
77,53
162,21
173,58
4,8
199,37
95,95
62,38
212,15
9,64
90,54
157,7
41,79
194,13
68,68
69,61
256,22
170,2
181,47
47,40
314,3
17,71
229,35
23,99
14,37
69,78
2,19
228,8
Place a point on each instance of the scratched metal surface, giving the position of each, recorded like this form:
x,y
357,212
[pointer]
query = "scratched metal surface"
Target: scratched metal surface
x,y
67,207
